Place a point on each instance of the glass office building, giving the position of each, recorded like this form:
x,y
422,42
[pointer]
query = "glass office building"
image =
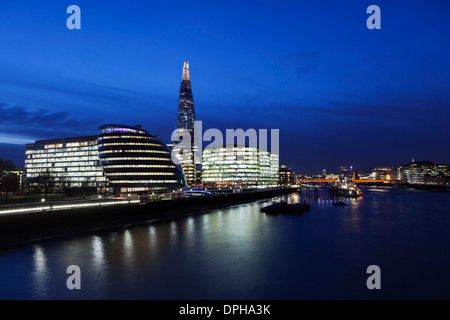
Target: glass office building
x,y
421,172
135,161
239,166
68,163
122,159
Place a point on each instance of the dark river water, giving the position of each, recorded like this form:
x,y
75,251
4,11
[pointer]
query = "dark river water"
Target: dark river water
x,y
241,253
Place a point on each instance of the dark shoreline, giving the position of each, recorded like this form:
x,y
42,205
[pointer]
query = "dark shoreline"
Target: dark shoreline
x,y
31,227
415,186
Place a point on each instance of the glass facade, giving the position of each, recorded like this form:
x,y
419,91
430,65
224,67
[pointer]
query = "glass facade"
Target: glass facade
x,y
423,172
122,158
135,161
71,162
185,121
239,166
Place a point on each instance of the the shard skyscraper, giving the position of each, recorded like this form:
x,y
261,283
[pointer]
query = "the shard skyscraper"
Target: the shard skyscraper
x,y
186,113
186,118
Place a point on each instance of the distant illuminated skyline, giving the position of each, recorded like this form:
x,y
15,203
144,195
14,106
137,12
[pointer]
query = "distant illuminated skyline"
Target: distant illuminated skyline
x,y
339,93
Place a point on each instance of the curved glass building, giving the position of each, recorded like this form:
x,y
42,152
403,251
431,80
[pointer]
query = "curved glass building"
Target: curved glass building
x,y
135,161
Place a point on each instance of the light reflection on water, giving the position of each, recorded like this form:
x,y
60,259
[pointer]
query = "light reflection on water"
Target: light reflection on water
x,y
241,253
40,271
98,253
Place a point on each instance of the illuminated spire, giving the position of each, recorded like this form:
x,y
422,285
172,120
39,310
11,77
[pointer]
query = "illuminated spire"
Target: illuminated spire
x,y
186,76
185,121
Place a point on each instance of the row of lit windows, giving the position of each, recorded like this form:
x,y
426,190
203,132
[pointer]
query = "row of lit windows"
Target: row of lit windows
x,y
70,144
235,179
134,189
230,163
121,130
44,160
145,181
185,161
63,154
136,158
62,164
67,174
119,166
130,144
72,184
52,146
63,169
234,173
125,137
231,170
140,174
232,149
80,144
65,178
225,171
127,151
231,179
231,154
46,151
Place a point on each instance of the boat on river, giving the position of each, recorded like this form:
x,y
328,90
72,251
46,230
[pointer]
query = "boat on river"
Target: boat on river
x,y
283,207
345,187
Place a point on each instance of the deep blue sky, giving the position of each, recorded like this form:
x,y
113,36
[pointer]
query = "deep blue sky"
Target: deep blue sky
x,y
340,94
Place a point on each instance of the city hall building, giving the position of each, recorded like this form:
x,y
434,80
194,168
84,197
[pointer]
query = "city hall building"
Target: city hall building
x,y
120,158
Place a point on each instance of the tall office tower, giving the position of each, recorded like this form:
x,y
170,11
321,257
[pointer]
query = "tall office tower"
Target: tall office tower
x,y
186,114
185,123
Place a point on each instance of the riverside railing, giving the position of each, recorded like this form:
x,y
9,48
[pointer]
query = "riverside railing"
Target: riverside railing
x,y
61,205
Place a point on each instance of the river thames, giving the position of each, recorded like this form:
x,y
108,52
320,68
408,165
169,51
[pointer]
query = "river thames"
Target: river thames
x,y
240,253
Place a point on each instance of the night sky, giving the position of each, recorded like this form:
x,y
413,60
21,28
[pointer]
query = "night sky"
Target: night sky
x,y
340,94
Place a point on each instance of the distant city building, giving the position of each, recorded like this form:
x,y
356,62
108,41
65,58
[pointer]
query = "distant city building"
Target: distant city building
x,y
324,173
11,181
239,166
377,173
135,161
422,172
185,121
121,158
287,176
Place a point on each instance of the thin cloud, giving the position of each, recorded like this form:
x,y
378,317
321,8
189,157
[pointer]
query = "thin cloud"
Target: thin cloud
x,y
19,123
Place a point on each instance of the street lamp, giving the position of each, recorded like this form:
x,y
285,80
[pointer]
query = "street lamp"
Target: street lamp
x,y
43,200
129,198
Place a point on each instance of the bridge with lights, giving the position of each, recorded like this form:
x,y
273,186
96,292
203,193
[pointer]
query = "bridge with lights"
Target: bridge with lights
x,y
332,180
